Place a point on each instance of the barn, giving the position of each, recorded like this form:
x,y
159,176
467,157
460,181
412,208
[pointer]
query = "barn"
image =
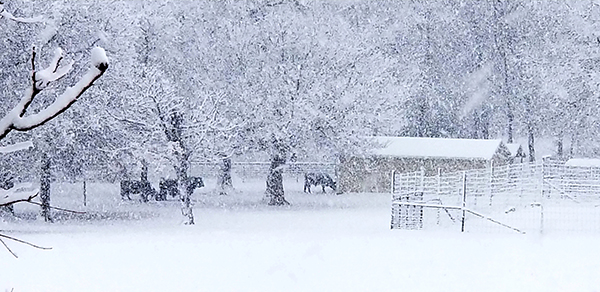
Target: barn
x,y
372,172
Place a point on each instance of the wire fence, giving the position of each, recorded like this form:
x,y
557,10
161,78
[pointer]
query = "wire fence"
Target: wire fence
x,y
532,197
261,169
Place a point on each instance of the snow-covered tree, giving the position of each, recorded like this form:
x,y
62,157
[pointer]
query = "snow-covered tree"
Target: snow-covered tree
x,y
306,79
17,117
172,109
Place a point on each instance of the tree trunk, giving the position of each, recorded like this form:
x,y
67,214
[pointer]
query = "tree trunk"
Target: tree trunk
x,y
275,192
144,174
182,165
45,188
531,143
485,124
573,146
510,126
502,43
225,183
560,146
185,196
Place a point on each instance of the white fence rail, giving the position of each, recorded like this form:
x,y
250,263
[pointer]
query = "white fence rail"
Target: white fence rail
x,y
544,197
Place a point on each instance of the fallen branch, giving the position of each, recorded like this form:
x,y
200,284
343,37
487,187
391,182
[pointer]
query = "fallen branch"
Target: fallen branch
x,y
8,248
19,241
24,242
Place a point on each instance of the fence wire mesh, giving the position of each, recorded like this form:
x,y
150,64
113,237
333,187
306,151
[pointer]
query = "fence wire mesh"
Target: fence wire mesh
x,y
533,197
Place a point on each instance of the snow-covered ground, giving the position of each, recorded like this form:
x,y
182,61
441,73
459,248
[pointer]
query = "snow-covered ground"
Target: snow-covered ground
x,y
322,242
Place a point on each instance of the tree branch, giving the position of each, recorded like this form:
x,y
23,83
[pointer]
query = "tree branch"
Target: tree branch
x,y
130,121
4,13
19,197
8,248
14,120
19,241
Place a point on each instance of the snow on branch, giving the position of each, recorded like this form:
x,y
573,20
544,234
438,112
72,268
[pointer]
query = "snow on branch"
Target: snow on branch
x,y
8,15
15,119
53,72
18,193
16,147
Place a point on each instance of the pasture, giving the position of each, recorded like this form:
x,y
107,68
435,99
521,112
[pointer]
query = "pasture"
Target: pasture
x,y
322,242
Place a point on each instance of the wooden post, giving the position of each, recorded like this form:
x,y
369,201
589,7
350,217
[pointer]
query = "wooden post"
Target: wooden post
x,y
439,188
542,198
491,181
84,194
542,178
394,209
464,200
393,182
422,183
541,218
439,192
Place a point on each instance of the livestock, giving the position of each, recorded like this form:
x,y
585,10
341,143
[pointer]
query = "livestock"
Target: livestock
x,y
6,184
170,187
167,187
319,178
142,187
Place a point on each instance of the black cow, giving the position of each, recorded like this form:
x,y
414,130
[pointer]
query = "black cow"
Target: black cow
x,y
194,183
167,187
6,184
319,178
170,187
142,187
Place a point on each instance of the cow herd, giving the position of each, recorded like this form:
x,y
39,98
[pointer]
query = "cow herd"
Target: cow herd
x,y
166,187
170,187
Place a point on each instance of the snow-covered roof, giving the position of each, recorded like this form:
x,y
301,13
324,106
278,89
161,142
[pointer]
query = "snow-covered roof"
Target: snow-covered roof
x,y
437,147
588,162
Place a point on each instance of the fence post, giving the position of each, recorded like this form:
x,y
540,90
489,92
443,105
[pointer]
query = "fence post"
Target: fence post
x,y
439,192
491,181
422,187
395,208
393,199
542,198
393,183
84,193
542,179
464,200
439,182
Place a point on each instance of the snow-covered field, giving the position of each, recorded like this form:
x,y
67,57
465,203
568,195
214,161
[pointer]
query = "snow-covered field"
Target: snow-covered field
x,y
322,242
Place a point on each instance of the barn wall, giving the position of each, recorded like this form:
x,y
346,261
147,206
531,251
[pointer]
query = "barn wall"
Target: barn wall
x,y
373,174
